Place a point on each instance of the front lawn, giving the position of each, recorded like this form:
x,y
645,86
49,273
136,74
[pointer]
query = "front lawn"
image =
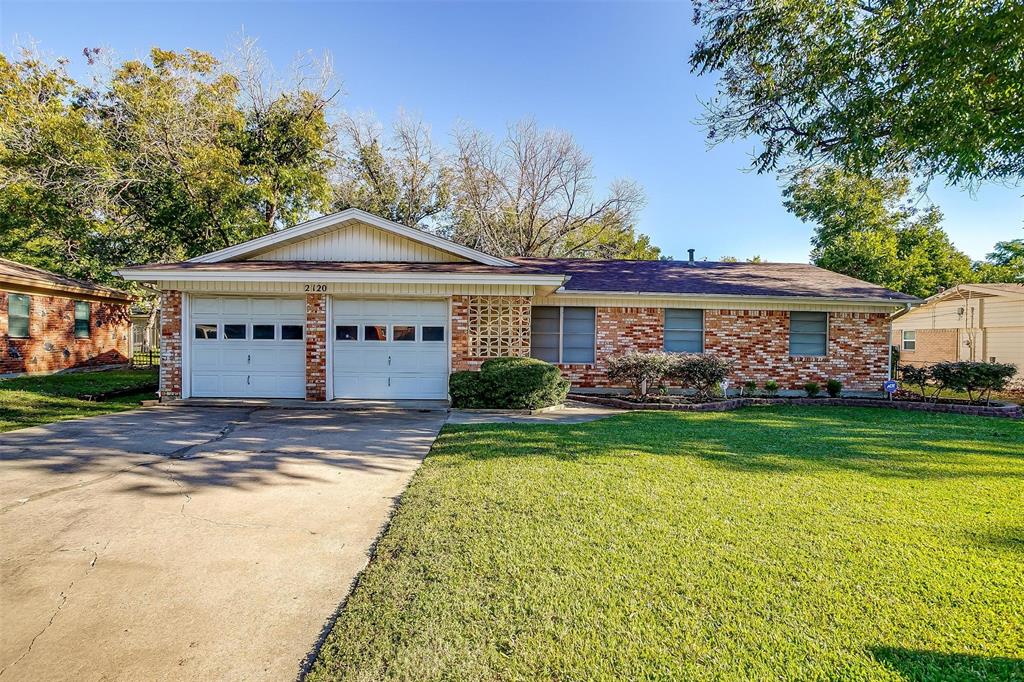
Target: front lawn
x,y
30,401
794,543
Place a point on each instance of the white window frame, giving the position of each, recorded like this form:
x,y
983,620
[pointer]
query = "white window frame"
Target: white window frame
x,y
904,340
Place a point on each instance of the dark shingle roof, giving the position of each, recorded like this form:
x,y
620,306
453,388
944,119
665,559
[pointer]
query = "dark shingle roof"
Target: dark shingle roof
x,y
610,276
704,278
12,272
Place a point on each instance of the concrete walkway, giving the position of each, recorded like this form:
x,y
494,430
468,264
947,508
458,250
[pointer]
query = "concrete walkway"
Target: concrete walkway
x,y
572,413
183,543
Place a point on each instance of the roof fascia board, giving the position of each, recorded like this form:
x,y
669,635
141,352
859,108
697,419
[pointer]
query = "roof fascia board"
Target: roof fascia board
x,y
254,246
34,286
738,297
321,276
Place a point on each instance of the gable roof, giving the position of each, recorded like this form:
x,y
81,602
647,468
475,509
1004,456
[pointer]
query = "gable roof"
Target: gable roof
x,y
26,276
311,228
702,278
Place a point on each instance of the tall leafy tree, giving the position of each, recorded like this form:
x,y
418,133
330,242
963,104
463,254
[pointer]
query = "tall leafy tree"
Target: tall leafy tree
x,y
54,170
1004,264
926,87
866,228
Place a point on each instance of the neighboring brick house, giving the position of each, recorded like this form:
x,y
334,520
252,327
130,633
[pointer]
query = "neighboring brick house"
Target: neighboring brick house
x,y
354,306
981,322
51,323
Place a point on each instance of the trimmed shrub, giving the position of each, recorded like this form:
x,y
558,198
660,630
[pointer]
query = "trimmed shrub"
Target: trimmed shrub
x,y
703,373
509,383
978,379
834,387
812,389
917,377
771,387
642,371
749,387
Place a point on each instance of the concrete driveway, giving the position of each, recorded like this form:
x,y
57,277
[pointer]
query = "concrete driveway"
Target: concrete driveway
x,y
190,543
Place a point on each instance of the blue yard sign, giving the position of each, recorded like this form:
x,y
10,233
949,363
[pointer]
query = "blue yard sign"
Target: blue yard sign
x,y
890,386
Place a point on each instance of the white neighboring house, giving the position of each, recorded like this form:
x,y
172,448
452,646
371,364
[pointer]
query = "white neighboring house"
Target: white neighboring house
x,y
977,322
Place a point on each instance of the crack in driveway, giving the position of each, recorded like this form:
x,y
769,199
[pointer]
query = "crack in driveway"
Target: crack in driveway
x,y
64,594
180,453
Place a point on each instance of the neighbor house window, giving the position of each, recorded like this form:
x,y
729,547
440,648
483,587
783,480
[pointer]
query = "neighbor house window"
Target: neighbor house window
x,y
81,319
909,339
563,335
17,315
808,333
684,330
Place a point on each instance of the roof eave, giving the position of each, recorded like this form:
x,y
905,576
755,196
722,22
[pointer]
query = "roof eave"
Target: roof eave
x,y
255,246
760,297
44,286
184,274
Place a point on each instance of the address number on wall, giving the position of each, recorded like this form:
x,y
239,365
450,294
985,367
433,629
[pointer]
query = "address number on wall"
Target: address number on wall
x,y
316,288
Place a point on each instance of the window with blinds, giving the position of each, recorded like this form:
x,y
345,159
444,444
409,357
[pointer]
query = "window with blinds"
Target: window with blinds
x,y
684,330
808,333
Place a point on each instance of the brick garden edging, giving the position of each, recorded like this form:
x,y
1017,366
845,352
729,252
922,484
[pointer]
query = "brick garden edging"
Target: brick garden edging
x,y
1009,411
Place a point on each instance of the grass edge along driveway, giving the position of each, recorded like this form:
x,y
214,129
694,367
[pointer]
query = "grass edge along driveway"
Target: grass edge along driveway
x,y
34,400
766,543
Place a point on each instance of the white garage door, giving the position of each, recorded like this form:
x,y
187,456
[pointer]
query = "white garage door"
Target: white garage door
x,y
390,349
248,348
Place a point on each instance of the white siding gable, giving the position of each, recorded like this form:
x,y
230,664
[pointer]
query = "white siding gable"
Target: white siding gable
x,y
359,242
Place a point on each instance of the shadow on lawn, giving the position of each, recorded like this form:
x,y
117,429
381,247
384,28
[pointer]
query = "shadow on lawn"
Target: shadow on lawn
x,y
877,442
930,666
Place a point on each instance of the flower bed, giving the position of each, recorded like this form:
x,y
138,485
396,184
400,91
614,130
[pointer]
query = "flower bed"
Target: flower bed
x,y
1008,410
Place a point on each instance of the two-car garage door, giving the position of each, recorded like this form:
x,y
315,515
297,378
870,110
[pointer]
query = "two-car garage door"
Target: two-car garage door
x,y
254,347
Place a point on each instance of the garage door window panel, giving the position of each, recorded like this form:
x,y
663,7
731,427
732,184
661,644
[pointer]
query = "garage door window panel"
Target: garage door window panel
x,y
375,332
291,332
234,332
404,332
346,332
205,331
263,332
432,333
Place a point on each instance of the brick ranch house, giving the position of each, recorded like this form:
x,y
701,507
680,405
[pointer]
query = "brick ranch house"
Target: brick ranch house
x,y
51,323
354,306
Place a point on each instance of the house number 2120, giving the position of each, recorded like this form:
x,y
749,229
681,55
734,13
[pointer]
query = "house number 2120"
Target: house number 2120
x,y
316,288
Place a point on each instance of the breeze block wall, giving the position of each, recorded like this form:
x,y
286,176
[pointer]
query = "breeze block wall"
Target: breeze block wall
x,y
52,345
170,345
316,346
485,327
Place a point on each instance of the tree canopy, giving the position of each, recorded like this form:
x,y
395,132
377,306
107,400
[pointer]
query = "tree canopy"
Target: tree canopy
x,y
868,228
926,87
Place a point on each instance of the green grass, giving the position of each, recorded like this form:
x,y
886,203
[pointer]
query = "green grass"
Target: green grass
x,y
31,401
767,543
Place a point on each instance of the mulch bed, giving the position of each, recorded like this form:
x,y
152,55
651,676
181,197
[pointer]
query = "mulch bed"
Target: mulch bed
x,y
1008,410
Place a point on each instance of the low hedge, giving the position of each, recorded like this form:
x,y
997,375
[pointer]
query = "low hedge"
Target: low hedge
x,y
509,383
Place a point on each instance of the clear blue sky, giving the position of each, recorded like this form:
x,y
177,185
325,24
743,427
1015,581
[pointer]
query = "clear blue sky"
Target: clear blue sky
x,y
614,75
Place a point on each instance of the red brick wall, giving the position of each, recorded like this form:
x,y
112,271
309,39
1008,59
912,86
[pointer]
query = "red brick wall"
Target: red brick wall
x,y
52,345
618,331
170,345
316,347
757,341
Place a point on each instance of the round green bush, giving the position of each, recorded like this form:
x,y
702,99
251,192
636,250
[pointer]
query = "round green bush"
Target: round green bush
x,y
509,383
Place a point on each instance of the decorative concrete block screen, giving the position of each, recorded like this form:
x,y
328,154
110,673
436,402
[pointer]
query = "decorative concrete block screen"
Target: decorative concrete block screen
x,y
498,326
